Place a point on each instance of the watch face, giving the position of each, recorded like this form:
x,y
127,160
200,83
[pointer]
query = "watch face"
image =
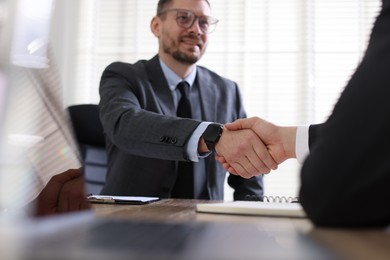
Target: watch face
x,y
212,133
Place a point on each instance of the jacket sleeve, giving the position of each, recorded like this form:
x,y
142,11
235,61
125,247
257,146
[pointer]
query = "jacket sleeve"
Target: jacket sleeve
x,y
132,117
314,133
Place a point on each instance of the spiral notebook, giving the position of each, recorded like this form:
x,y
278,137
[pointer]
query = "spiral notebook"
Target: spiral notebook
x,y
272,206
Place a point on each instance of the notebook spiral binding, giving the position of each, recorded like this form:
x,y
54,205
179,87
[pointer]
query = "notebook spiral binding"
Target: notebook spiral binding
x,y
280,199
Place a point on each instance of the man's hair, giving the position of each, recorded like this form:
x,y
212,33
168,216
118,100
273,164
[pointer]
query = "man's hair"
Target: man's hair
x,y
163,3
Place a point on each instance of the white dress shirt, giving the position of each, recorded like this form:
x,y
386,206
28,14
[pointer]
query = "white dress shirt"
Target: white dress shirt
x,y
302,143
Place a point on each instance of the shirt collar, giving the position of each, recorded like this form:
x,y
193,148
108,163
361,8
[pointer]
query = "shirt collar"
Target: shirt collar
x,y
173,79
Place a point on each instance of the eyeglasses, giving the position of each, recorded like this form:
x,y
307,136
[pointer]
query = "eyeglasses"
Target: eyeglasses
x,y
186,19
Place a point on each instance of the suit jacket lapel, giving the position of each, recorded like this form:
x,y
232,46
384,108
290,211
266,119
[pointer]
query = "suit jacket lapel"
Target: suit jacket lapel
x,y
207,96
160,86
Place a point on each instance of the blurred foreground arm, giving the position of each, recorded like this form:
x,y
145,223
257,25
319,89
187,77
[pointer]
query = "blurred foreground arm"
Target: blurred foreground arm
x,y
63,193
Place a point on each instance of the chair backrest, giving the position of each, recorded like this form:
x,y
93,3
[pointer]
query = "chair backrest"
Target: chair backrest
x,y
88,131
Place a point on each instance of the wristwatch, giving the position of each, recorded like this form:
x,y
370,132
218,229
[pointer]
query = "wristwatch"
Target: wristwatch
x,y
211,135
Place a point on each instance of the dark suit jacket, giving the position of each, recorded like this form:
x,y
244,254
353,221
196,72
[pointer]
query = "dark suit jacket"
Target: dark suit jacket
x,y
145,139
346,178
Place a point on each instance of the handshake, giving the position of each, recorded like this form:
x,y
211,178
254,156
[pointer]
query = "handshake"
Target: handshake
x,y
252,146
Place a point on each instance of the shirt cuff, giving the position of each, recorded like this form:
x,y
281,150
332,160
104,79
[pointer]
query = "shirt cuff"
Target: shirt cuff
x,y
302,143
192,146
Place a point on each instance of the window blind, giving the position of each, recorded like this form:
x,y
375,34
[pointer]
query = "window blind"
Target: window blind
x,y
291,58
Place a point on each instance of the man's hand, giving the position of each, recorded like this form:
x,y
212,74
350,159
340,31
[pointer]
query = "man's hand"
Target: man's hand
x,y
279,141
63,193
245,153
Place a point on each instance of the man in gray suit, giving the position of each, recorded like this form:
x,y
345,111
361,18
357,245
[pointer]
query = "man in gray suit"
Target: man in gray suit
x,y
147,141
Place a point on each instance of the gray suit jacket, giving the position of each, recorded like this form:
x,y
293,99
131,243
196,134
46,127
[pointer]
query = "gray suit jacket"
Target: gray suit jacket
x,y
144,138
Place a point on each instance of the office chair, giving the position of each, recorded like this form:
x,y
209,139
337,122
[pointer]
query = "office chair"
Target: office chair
x,y
88,131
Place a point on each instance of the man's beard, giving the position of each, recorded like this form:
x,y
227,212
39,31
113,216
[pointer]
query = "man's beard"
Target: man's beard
x,y
183,58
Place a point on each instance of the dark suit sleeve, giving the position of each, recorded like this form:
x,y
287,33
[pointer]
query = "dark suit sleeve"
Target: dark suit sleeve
x,y
345,179
132,117
314,133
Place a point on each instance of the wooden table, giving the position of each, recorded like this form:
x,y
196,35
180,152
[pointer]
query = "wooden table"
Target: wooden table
x,y
350,244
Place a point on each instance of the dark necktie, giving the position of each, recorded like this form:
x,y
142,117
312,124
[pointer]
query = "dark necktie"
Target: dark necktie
x,y
184,185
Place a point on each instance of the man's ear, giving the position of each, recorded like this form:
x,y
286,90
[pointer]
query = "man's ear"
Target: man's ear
x,y
155,26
